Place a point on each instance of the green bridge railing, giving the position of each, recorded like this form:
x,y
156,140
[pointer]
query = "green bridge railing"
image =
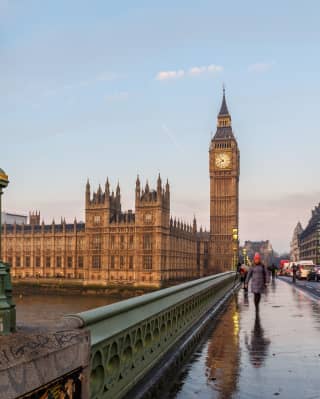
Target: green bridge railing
x,y
128,338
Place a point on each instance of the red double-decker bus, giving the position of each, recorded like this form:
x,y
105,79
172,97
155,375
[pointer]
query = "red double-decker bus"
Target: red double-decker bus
x,y
283,264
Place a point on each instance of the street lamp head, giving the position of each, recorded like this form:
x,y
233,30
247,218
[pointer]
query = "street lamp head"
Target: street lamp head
x,y
4,181
235,234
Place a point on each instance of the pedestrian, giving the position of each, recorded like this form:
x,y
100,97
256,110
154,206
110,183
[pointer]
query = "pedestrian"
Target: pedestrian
x,y
273,270
243,273
239,267
294,273
258,274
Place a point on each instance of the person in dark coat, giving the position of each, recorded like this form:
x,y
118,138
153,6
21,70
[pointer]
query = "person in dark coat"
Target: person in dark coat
x,y
273,270
258,274
294,273
243,273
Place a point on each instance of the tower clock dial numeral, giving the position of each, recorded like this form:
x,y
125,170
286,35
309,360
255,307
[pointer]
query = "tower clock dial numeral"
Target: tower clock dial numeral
x,y
223,160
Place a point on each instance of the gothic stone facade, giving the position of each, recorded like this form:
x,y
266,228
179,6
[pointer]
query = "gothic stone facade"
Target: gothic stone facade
x,y
145,247
224,166
294,244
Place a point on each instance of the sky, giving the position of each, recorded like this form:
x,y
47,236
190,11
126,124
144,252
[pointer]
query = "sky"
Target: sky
x,y
96,89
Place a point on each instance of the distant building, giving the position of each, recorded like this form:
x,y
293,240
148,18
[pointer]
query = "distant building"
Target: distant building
x,y
263,247
13,218
310,238
294,245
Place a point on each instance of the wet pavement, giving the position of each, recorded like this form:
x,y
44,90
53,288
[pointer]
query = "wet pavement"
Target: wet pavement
x,y
245,357
311,287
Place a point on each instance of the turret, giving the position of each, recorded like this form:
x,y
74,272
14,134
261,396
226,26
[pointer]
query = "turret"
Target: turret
x,y
34,218
138,189
118,190
98,195
147,188
167,193
88,192
159,186
107,189
194,226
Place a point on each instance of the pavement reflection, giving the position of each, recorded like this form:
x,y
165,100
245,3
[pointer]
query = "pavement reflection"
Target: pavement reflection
x,y
223,356
258,345
276,354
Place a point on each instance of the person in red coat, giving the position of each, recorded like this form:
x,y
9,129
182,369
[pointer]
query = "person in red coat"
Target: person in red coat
x,y
258,274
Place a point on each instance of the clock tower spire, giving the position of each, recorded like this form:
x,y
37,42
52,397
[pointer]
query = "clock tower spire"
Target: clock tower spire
x,y
224,128
224,168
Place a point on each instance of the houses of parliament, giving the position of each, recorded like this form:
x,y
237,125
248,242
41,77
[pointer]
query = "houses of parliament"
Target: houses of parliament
x,y
144,247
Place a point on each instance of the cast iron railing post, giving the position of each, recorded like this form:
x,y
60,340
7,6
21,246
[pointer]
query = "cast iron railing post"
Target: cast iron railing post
x,y
7,307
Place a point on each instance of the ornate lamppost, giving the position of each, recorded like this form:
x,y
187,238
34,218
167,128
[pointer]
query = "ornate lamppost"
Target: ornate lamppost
x,y
7,307
235,239
3,184
245,256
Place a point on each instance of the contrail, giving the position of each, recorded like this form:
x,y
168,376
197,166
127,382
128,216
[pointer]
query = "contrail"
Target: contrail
x,y
171,137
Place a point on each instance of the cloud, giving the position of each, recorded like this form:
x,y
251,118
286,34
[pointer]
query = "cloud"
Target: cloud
x,y
193,71
166,75
120,96
261,67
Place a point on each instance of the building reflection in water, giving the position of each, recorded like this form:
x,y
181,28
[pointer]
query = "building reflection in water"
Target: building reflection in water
x,y
257,345
223,357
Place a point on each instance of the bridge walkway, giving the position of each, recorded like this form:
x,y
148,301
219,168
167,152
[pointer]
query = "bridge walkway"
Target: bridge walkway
x,y
274,355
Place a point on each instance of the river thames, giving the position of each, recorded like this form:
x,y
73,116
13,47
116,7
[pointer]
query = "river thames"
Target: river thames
x,y
50,309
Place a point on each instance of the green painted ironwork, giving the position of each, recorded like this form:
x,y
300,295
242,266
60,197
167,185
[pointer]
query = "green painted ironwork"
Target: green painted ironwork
x,y
128,338
5,315
7,307
8,292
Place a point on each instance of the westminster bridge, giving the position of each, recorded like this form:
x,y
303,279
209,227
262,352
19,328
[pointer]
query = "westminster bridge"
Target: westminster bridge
x,y
126,349
198,339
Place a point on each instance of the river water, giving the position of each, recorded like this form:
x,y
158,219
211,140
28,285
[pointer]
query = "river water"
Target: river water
x,y
50,309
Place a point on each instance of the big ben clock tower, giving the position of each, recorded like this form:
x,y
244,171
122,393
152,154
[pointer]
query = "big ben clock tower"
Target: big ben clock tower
x,y
224,166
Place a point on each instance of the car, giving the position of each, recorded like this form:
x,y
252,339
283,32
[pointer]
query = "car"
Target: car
x,y
314,274
303,271
289,271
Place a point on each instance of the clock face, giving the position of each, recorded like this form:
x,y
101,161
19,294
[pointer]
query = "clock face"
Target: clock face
x,y
223,160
